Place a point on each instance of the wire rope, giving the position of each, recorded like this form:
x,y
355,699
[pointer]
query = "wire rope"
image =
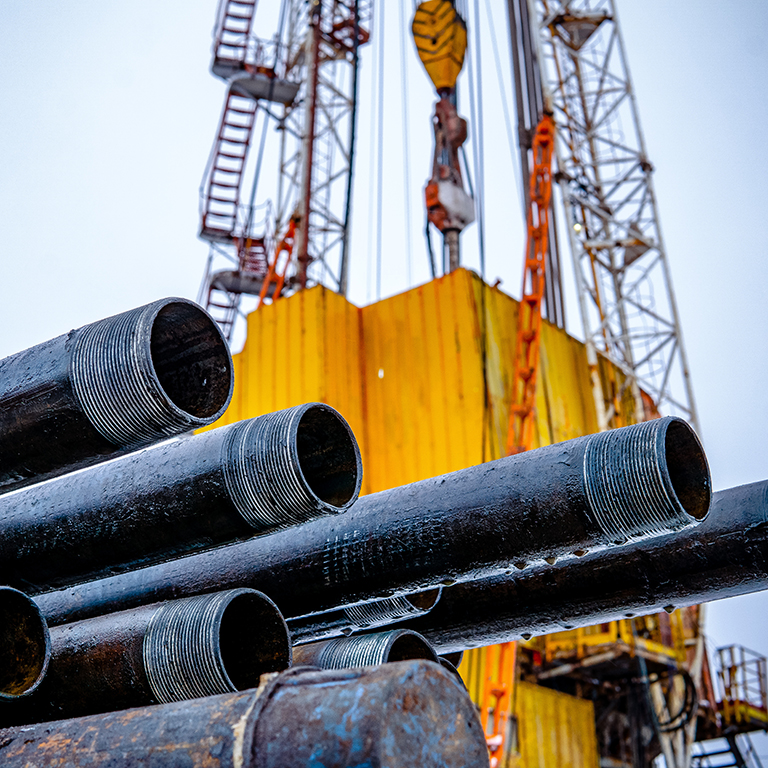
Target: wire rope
x,y
371,169
406,142
504,102
380,154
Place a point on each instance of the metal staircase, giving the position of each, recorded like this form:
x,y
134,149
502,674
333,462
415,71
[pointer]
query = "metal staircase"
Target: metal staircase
x,y
230,47
731,751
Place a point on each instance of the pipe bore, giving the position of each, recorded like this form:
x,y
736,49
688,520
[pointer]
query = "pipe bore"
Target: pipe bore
x,y
25,644
365,650
212,644
152,372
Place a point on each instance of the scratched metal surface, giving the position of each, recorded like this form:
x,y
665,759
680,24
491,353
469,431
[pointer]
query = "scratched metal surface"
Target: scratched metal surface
x,y
395,715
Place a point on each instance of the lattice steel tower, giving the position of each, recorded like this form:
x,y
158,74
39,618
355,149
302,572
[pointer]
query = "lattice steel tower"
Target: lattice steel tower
x,y
305,80
625,291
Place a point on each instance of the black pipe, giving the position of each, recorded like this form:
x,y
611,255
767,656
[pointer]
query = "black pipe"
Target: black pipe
x,y
189,494
25,645
353,618
395,715
110,387
554,501
200,646
365,650
725,556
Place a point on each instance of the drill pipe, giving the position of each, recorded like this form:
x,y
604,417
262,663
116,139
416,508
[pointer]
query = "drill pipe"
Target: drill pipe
x,y
25,645
189,494
184,649
353,618
395,715
110,387
364,650
725,556
588,492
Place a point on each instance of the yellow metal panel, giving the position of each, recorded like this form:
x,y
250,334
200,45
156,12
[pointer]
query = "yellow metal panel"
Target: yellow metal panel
x,y
555,730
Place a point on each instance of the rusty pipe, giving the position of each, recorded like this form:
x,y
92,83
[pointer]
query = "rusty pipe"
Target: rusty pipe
x,y
110,387
395,715
183,649
189,494
364,650
725,556
551,502
25,645
353,618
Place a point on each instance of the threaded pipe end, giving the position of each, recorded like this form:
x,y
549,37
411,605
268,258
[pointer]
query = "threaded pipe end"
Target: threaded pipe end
x,y
215,643
378,613
366,650
152,372
646,479
25,644
291,466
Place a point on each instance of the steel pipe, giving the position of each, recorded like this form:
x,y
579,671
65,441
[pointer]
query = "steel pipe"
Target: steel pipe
x,y
184,649
110,387
25,645
725,556
364,650
583,494
395,715
353,618
189,494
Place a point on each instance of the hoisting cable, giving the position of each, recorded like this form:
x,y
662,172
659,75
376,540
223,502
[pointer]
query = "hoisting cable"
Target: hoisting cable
x,y
380,156
406,142
352,141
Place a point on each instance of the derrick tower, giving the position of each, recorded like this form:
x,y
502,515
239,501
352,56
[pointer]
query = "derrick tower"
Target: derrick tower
x,y
303,81
570,54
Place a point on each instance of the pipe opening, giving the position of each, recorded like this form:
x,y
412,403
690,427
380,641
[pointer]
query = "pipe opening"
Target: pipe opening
x,y
253,639
328,456
425,601
688,469
191,359
25,645
410,646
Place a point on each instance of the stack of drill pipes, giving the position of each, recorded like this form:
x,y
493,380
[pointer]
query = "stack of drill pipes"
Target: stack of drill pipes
x,y
183,649
585,494
725,556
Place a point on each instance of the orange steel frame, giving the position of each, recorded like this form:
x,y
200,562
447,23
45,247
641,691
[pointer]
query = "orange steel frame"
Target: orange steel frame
x,y
276,272
521,415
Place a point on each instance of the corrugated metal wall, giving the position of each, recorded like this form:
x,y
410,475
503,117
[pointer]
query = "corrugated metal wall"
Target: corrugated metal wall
x,y
422,377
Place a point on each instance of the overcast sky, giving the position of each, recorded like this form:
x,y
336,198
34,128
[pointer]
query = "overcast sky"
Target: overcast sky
x,y
108,112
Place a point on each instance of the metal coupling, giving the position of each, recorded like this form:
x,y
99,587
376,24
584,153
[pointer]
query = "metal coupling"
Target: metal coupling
x,y
291,466
646,479
212,644
25,645
365,650
152,372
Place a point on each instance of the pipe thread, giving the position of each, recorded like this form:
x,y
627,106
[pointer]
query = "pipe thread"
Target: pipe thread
x,y
381,612
627,482
116,384
363,650
263,473
182,651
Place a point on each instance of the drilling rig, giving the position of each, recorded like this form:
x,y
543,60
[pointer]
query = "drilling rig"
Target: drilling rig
x,y
454,372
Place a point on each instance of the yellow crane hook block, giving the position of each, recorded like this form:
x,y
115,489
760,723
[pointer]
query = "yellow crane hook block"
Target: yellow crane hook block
x,y
440,35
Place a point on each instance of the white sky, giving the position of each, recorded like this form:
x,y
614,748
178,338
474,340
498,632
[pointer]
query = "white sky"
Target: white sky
x,y
108,112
